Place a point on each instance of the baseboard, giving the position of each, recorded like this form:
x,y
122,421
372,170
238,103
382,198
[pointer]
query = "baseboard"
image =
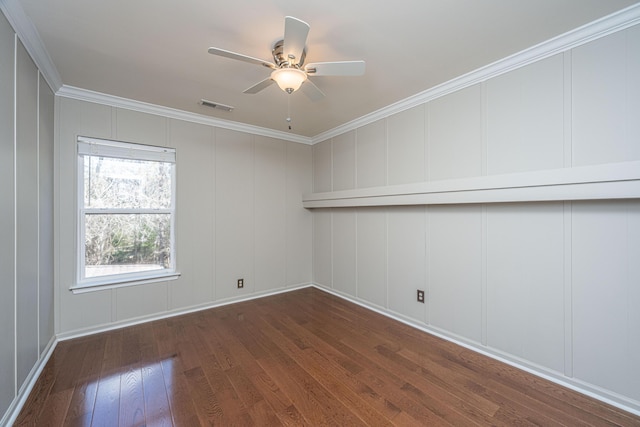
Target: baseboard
x,y
598,393
172,313
590,390
18,402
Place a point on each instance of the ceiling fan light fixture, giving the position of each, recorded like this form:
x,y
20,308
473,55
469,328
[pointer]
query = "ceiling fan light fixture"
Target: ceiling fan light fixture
x,y
289,79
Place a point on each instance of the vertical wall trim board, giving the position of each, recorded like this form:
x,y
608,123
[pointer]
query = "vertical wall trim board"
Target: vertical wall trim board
x,y
114,122
15,214
287,177
355,159
568,110
356,214
427,142
38,231
484,285
253,213
386,258
213,217
386,151
568,291
56,216
331,251
484,154
427,264
484,150
331,163
427,137
215,207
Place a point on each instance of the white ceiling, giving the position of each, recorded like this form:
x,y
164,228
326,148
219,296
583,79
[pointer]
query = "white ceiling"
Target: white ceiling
x,y
155,51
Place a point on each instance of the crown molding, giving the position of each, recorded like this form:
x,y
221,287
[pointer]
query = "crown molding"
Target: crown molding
x,y
610,24
28,34
172,113
32,42
602,27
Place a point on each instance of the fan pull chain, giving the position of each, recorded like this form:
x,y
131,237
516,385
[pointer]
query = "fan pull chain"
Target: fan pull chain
x,y
289,110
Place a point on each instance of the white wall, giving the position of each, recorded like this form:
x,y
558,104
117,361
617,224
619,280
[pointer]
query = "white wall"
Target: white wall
x,y
26,217
239,215
554,286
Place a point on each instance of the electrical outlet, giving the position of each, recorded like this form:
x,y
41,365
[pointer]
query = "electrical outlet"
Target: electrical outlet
x,y
240,283
421,296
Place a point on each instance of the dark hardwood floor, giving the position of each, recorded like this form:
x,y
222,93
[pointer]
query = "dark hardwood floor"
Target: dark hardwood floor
x,y
300,358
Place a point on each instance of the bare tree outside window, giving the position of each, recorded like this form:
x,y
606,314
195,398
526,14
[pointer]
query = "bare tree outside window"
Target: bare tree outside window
x,y
126,217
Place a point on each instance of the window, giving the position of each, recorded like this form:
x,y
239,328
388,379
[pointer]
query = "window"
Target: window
x,y
126,210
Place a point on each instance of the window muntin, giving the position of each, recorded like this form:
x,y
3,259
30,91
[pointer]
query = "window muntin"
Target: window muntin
x,y
126,212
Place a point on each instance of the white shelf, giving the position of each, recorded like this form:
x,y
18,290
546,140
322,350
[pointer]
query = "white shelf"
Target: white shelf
x,y
608,181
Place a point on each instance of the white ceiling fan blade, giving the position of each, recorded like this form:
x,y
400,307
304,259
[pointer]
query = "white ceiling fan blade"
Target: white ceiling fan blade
x,y
344,68
259,86
240,57
312,91
295,38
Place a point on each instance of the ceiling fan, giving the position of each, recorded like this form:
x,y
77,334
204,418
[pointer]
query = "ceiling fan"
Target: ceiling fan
x,y
289,71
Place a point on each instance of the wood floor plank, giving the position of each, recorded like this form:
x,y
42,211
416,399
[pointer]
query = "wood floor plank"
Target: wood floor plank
x,y
310,397
206,403
299,347
55,408
183,411
106,410
380,381
132,411
339,368
302,358
360,347
232,408
245,367
86,386
156,403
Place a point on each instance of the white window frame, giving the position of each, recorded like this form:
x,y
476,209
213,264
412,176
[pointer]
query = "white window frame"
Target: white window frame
x,y
87,146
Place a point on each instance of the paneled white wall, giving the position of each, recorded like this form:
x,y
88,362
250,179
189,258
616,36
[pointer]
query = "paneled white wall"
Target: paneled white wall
x,y
554,286
343,252
371,161
406,254
7,213
234,180
455,280
26,217
525,281
455,135
239,215
606,294
525,118
405,147
371,247
196,241
606,105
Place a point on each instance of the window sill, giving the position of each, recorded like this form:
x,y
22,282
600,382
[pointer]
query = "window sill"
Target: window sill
x,y
113,283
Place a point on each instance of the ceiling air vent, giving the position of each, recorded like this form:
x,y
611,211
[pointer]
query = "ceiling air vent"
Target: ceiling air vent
x,y
216,105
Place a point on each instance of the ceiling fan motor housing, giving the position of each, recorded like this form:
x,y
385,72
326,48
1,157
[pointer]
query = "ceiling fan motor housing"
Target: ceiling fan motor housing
x,y
281,61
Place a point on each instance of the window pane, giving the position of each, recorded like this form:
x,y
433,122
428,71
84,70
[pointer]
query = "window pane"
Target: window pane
x,y
117,244
124,183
